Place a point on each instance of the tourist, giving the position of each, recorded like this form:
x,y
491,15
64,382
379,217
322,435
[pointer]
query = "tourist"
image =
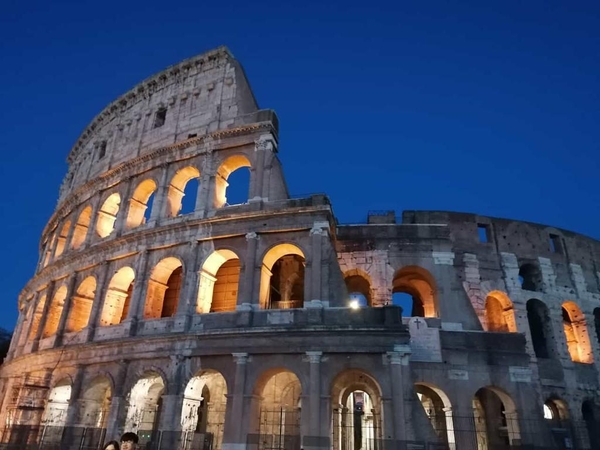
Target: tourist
x,y
112,445
129,441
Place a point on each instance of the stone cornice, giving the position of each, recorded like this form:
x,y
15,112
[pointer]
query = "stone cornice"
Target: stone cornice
x,y
111,176
142,89
119,247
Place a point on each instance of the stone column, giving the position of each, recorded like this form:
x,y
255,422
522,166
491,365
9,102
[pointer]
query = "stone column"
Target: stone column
x,y
32,318
160,198
42,324
66,310
118,405
74,403
123,212
248,293
316,234
235,426
399,374
16,337
313,439
265,143
465,432
188,296
136,308
99,296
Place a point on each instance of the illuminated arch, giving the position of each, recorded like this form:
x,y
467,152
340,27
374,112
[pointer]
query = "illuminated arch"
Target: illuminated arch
x,y
576,333
81,228
219,282
145,403
355,391
438,410
282,287
226,168
420,285
55,413
164,288
177,189
62,239
204,405
358,284
138,204
118,297
108,215
97,398
496,420
81,305
37,317
500,313
55,311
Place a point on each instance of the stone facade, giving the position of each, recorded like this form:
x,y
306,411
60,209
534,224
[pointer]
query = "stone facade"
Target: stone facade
x,y
269,325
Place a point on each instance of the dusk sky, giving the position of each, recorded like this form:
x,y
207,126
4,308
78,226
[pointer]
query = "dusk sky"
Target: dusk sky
x,y
484,107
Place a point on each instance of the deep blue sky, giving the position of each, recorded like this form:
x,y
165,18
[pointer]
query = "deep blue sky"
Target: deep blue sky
x,y
487,107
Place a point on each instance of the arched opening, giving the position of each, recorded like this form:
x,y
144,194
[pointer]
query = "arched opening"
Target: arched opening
x,y
496,422
203,412
438,410
540,326
164,287
55,311
282,278
591,416
556,415
575,328
96,403
530,277
279,406
81,228
29,315
232,182
118,297
140,205
62,239
55,413
417,283
81,305
500,313
108,215
144,405
181,188
219,282
356,416
37,317
359,288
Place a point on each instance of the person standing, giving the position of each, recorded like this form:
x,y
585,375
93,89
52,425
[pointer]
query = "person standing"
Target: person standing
x,y
129,441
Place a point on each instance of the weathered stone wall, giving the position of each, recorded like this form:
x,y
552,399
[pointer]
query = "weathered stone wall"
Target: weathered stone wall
x,y
92,327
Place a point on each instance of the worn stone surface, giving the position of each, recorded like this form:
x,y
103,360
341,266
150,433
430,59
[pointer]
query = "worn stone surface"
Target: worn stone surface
x,y
137,303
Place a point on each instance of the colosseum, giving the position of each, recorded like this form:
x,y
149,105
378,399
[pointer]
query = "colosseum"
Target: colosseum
x,y
267,325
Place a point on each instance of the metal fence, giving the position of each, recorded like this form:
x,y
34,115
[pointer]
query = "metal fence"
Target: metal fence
x,y
459,435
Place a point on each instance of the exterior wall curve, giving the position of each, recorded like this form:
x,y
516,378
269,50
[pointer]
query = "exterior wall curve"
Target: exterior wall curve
x,y
288,310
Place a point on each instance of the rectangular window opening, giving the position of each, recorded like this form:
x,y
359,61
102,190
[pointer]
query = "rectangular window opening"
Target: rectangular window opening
x,y
554,242
483,231
159,119
102,150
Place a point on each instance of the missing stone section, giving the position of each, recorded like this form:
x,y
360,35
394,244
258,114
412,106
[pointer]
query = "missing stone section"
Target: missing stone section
x,y
483,231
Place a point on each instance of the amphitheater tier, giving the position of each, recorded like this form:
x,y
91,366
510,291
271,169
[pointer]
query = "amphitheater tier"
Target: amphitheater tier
x,y
160,307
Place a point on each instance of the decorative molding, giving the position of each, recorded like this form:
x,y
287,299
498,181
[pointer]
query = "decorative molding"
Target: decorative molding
x,y
114,175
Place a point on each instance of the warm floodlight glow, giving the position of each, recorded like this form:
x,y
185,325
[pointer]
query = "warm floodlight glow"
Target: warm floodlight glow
x,y
354,304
